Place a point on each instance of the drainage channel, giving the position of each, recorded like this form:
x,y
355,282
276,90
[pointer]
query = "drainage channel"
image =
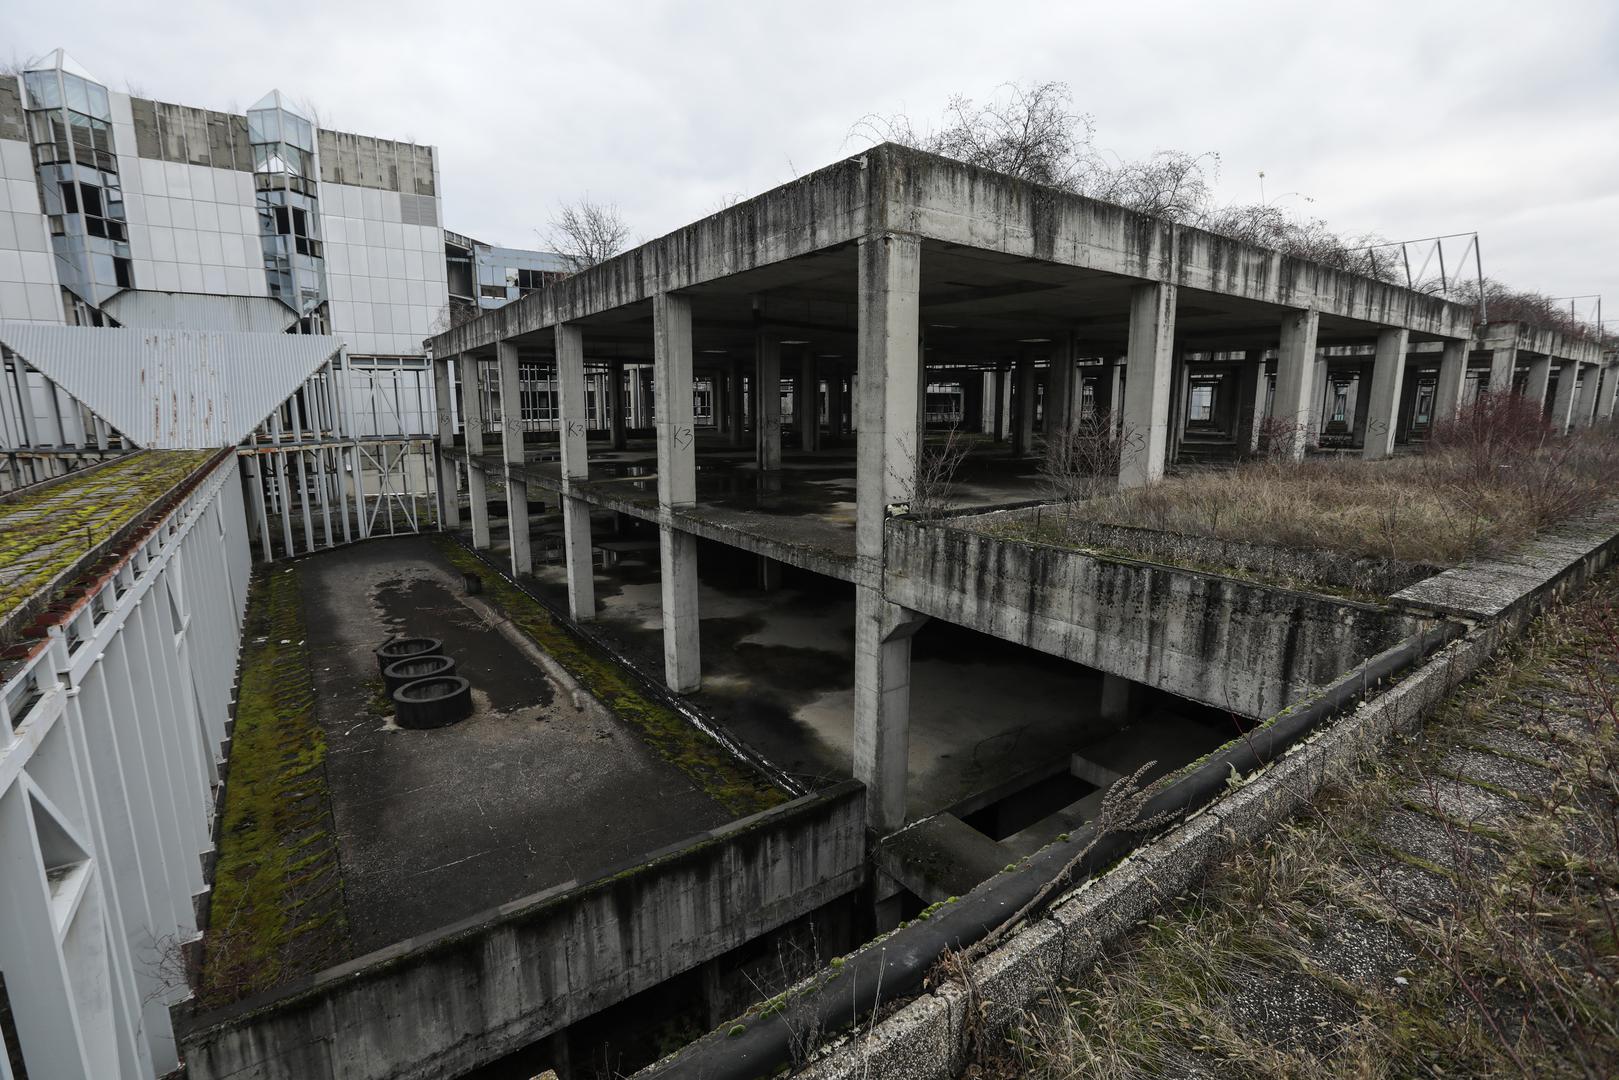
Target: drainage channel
x,y
894,967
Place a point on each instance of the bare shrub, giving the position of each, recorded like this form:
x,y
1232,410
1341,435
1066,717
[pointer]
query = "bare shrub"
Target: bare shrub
x,y
1083,462
1496,431
935,466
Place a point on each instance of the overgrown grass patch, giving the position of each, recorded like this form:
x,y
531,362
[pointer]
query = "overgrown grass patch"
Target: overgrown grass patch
x,y
740,789
276,910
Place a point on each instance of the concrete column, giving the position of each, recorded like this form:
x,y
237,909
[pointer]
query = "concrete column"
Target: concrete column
x,y
834,405
677,488
1117,693
616,405
1023,407
1563,401
1060,390
1250,400
888,368
1503,363
1540,377
808,402
1586,408
1150,361
1388,376
449,485
1295,374
1002,393
1605,392
733,401
1452,374
767,402
511,439
572,431
473,425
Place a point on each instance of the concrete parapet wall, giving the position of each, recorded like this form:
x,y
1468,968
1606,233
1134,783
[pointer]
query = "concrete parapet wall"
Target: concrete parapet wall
x,y
477,990
1374,576
1249,648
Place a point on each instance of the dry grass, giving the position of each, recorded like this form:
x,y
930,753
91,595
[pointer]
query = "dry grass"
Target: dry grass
x,y
1319,952
1486,484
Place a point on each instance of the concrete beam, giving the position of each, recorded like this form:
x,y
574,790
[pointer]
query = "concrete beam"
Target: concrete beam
x,y
1150,364
1295,401
511,441
677,487
473,426
1388,376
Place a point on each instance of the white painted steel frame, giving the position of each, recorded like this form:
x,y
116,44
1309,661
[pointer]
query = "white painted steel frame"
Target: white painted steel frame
x,y
111,737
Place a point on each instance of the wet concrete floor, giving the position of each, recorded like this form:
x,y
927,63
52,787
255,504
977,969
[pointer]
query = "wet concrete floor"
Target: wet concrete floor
x,y
778,670
541,785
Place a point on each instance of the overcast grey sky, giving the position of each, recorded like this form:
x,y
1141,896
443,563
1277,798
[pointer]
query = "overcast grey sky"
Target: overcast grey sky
x,y
1404,118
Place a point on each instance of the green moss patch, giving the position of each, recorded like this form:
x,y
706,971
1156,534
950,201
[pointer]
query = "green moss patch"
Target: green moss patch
x,y
44,533
733,784
276,911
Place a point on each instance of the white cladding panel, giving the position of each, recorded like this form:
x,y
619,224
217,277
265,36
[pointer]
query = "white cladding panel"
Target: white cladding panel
x,y
172,389
28,282
385,274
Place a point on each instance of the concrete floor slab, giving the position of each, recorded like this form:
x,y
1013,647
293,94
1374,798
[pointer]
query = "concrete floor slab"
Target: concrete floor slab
x,y
541,785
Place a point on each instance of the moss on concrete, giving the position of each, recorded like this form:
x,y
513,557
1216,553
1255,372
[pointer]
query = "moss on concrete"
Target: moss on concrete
x,y
46,532
732,783
276,910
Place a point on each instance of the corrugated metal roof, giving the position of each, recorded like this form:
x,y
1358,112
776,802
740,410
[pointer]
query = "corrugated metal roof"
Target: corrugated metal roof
x,y
151,310
172,389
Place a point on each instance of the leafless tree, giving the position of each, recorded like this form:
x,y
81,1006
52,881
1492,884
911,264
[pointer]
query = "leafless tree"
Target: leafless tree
x,y
936,465
586,233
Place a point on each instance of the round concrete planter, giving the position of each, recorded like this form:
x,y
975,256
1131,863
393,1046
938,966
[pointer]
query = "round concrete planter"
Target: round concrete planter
x,y
404,648
400,672
433,702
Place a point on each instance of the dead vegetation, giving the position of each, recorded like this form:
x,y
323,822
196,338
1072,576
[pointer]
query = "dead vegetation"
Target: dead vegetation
x,y
1487,482
1449,911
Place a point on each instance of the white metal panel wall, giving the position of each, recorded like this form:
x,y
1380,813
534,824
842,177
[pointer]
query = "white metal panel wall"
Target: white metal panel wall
x,y
109,747
387,277
28,283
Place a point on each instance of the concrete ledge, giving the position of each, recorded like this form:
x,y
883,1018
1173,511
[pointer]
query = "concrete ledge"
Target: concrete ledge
x,y
482,988
930,1038
1237,645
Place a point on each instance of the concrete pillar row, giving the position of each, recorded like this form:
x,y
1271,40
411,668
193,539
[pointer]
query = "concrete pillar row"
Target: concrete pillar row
x,y
1452,376
888,367
677,489
449,485
473,426
1294,410
1250,400
1060,389
767,402
573,428
1150,362
511,441
1388,376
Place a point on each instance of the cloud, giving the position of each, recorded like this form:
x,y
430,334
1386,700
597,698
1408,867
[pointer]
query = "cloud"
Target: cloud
x,y
1406,119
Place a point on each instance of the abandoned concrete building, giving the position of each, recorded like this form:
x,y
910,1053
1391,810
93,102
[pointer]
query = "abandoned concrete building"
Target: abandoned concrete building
x,y
750,685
